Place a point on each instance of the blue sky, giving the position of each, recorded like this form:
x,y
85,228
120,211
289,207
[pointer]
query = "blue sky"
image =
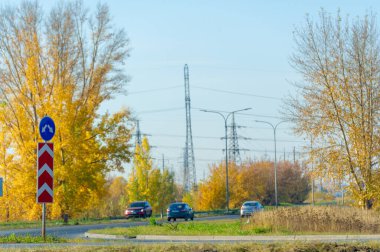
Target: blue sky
x,y
235,46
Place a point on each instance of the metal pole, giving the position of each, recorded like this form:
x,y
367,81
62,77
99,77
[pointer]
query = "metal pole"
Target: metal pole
x,y
312,169
43,231
274,127
227,191
225,118
275,165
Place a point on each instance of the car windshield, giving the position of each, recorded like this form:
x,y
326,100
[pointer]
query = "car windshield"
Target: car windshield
x,y
177,206
254,204
137,204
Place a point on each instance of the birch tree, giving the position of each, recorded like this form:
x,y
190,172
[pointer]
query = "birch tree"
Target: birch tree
x,y
337,103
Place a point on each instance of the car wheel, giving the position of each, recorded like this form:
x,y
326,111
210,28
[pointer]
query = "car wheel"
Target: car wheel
x,y
174,219
169,219
185,219
192,218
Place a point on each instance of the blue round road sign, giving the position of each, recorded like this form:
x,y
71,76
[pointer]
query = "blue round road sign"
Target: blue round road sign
x,y
47,128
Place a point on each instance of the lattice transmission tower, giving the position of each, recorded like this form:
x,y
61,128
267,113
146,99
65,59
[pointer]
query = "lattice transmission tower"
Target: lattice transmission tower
x,y
138,133
189,173
233,148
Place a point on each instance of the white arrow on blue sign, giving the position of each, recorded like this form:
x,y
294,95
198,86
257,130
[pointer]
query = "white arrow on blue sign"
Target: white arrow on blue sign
x,y
47,128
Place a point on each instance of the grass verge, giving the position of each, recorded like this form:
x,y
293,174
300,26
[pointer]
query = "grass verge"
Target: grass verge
x,y
30,239
220,227
246,247
57,223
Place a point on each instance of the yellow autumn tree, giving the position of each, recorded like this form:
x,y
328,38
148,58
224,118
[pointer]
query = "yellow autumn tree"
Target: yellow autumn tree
x,y
139,177
339,100
150,183
116,196
252,180
212,192
65,65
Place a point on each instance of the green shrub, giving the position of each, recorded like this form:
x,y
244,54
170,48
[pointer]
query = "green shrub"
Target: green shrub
x,y
152,221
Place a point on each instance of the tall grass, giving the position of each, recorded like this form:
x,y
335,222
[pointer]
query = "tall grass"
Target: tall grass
x,y
327,219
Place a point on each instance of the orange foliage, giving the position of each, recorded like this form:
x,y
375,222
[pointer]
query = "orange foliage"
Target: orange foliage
x,y
253,180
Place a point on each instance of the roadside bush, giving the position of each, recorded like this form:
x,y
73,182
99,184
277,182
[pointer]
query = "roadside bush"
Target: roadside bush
x,y
153,222
332,219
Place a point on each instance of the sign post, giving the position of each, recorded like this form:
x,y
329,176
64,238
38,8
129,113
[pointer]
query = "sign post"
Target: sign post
x,y
45,161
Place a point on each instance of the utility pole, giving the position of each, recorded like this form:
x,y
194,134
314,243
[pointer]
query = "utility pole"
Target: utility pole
x,y
163,163
312,170
138,133
274,127
225,118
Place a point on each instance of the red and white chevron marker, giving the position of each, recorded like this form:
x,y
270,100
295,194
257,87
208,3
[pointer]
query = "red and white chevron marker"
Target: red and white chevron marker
x,y
45,173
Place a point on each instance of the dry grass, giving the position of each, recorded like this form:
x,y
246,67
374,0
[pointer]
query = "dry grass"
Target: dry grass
x,y
325,219
241,247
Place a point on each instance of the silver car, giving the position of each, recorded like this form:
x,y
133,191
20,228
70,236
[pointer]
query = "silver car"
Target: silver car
x,y
250,207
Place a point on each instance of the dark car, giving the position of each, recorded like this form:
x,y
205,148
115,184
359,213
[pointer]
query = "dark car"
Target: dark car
x,y
138,209
179,211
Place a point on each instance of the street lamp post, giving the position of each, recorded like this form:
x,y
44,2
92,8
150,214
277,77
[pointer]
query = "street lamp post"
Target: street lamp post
x,y
275,156
225,118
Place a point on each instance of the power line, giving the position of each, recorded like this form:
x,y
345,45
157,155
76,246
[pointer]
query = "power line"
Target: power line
x,y
182,136
194,108
160,110
154,90
219,149
237,93
204,88
244,138
244,114
278,140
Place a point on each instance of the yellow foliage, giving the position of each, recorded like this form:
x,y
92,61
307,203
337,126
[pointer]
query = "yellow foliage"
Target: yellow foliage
x,y
52,73
149,183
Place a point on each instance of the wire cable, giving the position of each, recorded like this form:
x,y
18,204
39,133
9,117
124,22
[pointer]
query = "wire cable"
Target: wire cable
x,y
236,93
154,90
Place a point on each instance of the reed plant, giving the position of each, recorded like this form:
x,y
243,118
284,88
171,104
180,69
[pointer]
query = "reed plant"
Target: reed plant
x,y
319,219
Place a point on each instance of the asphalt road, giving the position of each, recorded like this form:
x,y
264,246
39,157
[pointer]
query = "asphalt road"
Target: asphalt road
x,y
79,230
